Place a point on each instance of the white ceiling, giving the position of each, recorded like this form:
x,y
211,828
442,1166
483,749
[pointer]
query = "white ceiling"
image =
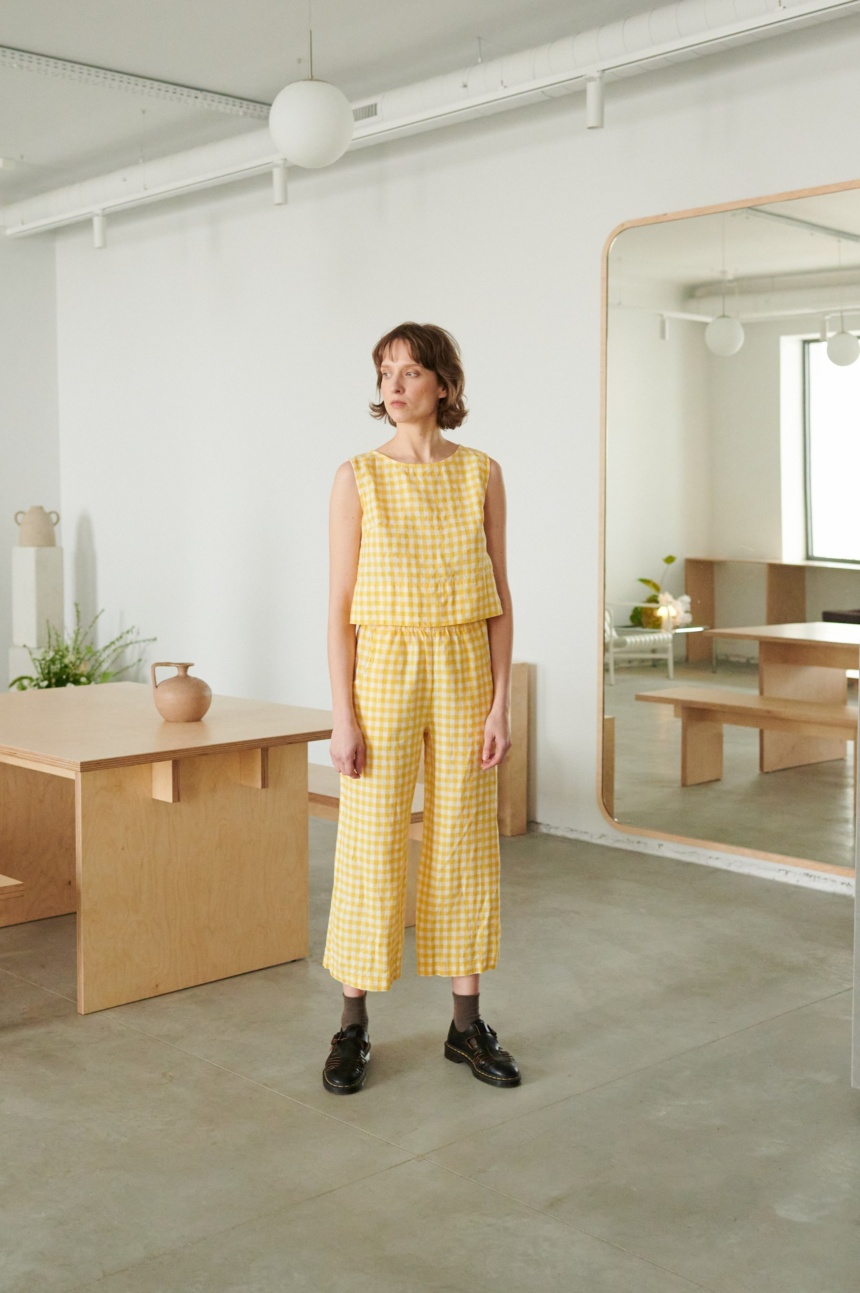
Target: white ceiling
x,y
688,254
55,131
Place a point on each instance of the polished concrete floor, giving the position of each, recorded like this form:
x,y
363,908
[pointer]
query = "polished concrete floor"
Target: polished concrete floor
x,y
686,1120
805,812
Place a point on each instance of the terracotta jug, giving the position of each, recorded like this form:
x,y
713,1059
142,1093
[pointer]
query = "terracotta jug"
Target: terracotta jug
x,y
37,528
182,698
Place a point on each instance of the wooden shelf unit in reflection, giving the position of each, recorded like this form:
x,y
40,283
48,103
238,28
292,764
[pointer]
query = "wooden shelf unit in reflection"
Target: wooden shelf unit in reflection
x,y
785,592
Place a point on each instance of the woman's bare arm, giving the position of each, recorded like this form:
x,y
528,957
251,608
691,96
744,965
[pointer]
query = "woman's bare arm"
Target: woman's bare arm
x,y
347,743
497,729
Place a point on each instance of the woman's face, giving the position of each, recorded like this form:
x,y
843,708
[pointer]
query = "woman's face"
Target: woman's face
x,y
410,393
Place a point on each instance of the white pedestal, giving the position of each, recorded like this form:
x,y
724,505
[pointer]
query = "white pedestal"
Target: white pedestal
x,y
37,594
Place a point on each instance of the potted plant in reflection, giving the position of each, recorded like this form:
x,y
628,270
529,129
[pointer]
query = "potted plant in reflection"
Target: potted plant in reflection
x,y
660,609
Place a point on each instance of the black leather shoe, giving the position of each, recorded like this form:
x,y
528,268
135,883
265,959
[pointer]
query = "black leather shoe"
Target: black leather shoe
x,y
346,1066
478,1046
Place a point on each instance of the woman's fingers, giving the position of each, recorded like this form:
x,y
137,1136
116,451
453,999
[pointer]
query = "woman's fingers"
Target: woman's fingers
x,y
494,751
349,761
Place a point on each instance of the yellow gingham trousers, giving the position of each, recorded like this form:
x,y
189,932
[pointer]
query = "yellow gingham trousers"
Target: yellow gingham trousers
x,y
414,687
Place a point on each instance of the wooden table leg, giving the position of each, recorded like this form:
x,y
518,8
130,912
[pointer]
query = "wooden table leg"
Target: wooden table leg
x,y
780,675
176,894
37,843
701,747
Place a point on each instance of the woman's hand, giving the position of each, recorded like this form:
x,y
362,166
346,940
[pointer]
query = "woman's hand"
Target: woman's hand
x,y
347,749
497,739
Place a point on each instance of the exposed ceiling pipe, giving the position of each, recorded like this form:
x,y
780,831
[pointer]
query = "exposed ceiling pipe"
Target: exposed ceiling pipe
x,y
650,41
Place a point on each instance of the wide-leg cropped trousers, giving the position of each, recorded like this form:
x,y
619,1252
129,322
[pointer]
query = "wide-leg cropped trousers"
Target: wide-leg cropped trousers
x,y
414,688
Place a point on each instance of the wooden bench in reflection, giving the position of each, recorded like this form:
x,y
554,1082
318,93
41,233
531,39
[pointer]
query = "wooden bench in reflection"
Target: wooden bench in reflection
x,y
703,711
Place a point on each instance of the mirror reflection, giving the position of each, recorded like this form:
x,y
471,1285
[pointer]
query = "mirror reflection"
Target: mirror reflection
x,y
732,544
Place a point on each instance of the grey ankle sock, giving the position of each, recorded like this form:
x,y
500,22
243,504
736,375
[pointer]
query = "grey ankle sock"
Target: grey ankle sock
x,y
466,1011
354,1011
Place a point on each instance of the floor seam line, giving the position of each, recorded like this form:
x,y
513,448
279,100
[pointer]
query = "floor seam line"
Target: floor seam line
x,y
600,1086
542,1212
22,978
263,1086
250,1221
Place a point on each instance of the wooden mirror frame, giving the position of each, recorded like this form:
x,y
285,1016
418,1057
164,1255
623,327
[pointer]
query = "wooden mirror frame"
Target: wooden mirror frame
x,y
605,741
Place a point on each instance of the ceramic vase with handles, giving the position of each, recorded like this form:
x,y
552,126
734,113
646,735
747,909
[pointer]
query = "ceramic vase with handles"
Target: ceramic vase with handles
x,y
37,528
182,698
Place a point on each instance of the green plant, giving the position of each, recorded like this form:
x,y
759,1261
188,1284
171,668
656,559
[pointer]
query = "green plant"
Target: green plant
x,y
72,659
641,616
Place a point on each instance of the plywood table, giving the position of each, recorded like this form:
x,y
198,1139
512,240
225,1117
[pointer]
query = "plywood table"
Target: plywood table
x,y
806,662
181,847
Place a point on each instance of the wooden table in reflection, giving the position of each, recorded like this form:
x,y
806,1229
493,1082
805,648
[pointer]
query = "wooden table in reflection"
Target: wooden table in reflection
x,y
181,847
800,662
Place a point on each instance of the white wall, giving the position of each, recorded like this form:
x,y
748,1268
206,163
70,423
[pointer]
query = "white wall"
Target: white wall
x,y
658,480
29,461
214,363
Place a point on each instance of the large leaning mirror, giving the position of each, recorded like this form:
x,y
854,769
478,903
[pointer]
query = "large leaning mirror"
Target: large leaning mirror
x,y
733,446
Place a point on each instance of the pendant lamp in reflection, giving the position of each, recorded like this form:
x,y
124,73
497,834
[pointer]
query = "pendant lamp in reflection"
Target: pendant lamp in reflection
x,y
843,349
724,335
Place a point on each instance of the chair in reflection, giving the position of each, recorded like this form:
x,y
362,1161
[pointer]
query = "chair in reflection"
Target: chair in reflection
x,y
628,643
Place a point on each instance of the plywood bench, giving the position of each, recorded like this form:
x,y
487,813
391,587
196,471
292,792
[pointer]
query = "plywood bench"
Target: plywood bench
x,y
703,711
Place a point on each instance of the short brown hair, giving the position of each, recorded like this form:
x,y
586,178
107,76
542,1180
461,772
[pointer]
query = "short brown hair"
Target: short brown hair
x,y
436,350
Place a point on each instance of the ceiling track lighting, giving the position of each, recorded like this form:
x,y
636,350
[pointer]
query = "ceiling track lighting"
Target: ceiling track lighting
x,y
594,101
105,77
279,183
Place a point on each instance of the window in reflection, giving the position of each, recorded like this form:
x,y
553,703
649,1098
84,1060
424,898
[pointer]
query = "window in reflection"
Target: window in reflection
x,y
832,455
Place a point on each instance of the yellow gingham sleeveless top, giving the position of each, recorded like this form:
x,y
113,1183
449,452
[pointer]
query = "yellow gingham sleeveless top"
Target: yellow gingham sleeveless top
x,y
423,557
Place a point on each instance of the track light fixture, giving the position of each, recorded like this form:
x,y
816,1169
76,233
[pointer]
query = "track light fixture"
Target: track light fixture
x,y
594,102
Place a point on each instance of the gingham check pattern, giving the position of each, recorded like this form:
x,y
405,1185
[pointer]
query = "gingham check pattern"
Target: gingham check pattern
x,y
417,686
423,558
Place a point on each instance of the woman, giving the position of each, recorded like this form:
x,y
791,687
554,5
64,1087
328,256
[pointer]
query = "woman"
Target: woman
x,y
420,633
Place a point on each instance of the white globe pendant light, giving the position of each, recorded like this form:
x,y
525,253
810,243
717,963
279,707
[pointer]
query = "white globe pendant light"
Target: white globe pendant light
x,y
311,123
724,335
843,349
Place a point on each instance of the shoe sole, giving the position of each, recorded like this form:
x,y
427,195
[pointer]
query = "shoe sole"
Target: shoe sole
x,y
459,1057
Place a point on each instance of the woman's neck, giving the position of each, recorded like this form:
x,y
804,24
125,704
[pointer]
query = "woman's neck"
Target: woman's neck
x,y
417,442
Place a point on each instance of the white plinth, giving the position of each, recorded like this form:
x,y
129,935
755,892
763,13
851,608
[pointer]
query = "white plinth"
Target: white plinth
x,y
37,594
